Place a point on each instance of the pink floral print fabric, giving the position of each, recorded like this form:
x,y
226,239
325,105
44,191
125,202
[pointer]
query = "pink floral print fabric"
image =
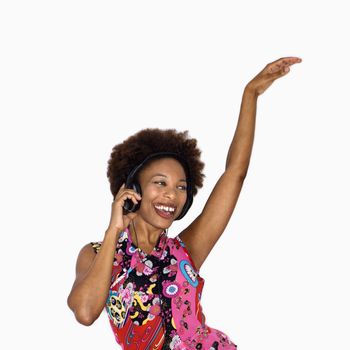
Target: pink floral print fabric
x,y
154,299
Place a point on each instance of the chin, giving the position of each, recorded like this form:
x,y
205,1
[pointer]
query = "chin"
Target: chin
x,y
164,224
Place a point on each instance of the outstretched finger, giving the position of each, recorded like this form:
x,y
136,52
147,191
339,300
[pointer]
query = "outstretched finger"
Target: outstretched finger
x,y
287,60
283,68
282,63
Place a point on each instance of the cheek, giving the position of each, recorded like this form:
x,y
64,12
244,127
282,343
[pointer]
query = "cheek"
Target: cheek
x,y
149,195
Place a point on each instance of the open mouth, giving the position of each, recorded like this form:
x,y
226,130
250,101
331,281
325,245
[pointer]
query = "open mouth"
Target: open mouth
x,y
164,211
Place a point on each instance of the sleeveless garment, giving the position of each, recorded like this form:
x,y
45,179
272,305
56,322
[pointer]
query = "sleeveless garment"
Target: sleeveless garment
x,y
154,299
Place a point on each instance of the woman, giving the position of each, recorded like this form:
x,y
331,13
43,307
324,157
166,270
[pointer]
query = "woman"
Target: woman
x,y
150,283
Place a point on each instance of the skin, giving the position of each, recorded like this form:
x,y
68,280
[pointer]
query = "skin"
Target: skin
x,y
93,271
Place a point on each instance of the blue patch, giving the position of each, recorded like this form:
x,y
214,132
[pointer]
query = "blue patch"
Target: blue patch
x,y
189,273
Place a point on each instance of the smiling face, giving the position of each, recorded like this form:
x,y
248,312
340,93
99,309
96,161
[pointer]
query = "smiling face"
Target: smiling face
x,y
163,184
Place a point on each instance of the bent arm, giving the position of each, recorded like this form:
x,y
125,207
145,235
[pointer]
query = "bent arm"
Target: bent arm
x,y
93,278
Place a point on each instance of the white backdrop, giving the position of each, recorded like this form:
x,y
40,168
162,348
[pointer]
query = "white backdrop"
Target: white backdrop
x,y
78,77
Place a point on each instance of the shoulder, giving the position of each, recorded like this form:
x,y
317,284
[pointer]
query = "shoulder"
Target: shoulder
x,y
88,252
85,258
181,245
95,246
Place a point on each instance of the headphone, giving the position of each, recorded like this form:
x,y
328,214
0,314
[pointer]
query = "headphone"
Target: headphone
x,y
132,183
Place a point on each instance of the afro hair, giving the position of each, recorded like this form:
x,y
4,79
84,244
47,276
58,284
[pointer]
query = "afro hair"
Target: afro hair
x,y
131,152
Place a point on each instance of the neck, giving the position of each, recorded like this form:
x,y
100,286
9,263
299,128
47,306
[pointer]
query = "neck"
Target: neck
x,y
143,233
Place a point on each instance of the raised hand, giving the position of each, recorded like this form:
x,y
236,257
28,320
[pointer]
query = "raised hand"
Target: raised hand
x,y
270,73
118,220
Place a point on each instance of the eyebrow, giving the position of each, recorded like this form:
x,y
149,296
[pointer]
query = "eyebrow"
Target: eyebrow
x,y
159,174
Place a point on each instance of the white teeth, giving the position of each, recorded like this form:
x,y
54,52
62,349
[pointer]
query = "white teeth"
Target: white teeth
x,y
162,207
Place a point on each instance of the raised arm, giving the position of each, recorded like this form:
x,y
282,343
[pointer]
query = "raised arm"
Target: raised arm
x,y
202,234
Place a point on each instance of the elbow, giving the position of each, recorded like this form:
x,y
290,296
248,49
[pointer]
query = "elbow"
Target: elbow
x,y
82,314
242,176
239,175
84,318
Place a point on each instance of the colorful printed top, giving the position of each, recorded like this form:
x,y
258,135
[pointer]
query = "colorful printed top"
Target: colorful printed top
x,y
154,299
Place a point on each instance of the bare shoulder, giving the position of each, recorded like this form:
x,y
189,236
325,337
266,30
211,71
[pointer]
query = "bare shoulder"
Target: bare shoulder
x,y
88,251
185,237
85,258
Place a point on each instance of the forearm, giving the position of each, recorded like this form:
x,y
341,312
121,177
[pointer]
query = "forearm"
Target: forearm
x,y
88,296
240,150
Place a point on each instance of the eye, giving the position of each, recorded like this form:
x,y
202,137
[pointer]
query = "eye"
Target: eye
x,y
182,187
159,182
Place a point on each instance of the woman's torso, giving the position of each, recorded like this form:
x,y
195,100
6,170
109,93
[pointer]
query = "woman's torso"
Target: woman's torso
x,y
154,299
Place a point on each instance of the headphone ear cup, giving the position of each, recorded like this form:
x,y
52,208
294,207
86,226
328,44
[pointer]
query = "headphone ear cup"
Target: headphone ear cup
x,y
137,188
186,207
129,205
183,212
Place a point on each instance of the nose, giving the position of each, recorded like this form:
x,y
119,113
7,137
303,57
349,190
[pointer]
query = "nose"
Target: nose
x,y
170,193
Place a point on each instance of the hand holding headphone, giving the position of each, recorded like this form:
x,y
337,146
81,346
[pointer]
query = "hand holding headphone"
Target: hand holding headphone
x,y
119,218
